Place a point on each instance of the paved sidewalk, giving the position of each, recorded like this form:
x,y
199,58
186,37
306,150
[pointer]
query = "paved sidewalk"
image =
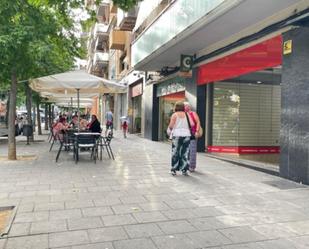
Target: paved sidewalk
x,y
134,203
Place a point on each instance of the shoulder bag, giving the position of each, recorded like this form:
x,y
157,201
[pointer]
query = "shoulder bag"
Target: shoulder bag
x,y
192,137
200,131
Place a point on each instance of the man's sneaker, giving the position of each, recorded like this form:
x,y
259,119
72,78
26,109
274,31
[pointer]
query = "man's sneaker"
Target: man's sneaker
x,y
191,170
173,172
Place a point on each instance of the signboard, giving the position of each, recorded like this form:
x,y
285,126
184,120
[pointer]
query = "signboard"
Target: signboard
x,y
137,90
287,47
185,74
170,87
186,62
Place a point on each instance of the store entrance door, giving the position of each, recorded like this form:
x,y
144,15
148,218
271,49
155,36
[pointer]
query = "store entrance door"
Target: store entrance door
x,y
167,104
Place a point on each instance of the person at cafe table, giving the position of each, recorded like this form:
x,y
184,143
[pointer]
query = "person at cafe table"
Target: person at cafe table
x,y
83,124
94,125
74,122
60,127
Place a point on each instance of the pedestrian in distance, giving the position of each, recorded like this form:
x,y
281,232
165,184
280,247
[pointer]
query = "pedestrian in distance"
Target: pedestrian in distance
x,y
195,127
124,127
178,130
109,122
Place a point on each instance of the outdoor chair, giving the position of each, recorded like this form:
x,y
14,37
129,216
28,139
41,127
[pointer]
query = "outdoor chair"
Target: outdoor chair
x,y
50,135
85,142
105,142
66,142
53,137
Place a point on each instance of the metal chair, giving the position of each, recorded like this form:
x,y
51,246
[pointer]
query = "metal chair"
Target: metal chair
x,y
67,142
54,137
85,141
106,142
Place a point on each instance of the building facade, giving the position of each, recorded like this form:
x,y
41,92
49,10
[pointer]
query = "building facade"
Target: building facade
x,y
108,58
243,71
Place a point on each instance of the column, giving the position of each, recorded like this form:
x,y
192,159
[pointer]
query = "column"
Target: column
x,y
294,134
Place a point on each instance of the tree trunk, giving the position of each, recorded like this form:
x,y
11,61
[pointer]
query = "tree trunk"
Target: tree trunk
x,y
53,113
46,117
34,118
39,117
50,118
7,111
28,106
12,117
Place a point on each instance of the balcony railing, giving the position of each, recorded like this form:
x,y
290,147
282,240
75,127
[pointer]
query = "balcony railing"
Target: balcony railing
x,y
101,45
126,20
117,39
100,60
177,18
101,29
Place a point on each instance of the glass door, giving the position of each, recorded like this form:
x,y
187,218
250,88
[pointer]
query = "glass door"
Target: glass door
x,y
167,104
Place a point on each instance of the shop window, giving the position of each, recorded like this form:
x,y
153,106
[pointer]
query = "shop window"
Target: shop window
x,y
246,114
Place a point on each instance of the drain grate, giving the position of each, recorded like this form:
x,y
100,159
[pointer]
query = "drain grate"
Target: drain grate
x,y
284,184
6,217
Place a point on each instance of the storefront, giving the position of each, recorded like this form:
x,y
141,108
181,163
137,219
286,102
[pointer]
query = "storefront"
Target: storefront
x,y
245,104
136,91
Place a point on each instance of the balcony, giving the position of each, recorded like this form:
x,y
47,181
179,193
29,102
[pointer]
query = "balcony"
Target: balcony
x,y
100,60
101,45
101,30
117,39
126,20
103,12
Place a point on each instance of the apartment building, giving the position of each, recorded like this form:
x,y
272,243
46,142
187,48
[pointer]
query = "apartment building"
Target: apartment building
x,y
107,57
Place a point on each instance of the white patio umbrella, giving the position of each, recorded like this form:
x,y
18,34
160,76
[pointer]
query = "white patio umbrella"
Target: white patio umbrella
x,y
70,82
74,82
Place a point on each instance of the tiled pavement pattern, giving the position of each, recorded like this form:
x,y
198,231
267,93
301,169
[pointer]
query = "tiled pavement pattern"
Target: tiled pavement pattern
x,y
134,203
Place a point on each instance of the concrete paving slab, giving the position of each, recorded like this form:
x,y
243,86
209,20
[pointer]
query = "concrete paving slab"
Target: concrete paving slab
x,y
28,242
135,244
2,243
118,220
48,227
107,234
143,230
68,238
242,234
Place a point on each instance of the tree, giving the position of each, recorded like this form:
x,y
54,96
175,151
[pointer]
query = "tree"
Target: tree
x,y
36,38
126,4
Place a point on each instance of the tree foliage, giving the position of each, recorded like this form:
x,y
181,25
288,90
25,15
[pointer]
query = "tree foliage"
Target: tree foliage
x,y
126,4
37,38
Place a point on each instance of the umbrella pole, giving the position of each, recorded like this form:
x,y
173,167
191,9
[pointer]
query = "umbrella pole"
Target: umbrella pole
x,y
71,107
78,108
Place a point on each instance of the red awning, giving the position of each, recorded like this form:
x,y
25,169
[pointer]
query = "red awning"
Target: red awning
x,y
258,57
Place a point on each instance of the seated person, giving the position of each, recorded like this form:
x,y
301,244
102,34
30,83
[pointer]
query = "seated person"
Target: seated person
x,y
83,123
59,128
94,125
74,122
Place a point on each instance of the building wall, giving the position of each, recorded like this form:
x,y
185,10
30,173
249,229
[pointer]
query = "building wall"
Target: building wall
x,y
294,139
150,113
